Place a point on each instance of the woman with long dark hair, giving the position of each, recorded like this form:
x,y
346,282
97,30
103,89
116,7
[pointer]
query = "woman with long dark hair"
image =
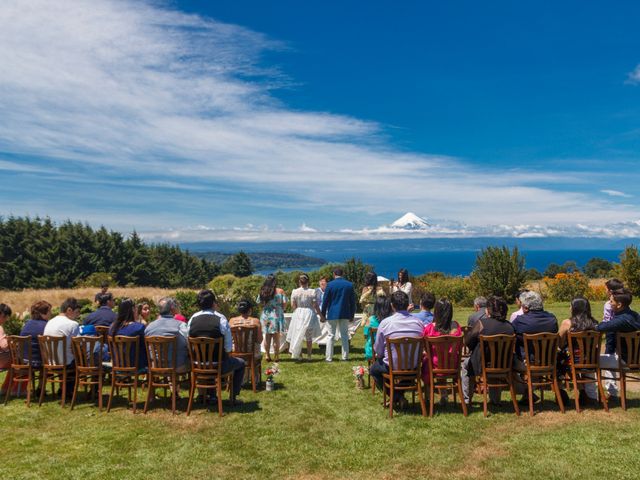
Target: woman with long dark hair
x,y
381,310
370,292
273,301
126,325
443,324
403,284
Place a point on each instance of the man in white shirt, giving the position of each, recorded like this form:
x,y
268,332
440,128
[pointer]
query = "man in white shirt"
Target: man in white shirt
x,y
65,325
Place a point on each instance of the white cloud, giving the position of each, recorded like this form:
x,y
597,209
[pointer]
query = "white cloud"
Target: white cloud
x,y
634,76
616,193
181,100
306,228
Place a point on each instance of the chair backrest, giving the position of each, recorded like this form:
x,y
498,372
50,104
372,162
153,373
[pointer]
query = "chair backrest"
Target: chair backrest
x,y
497,353
404,354
628,347
244,338
124,352
103,332
205,353
446,349
162,352
87,351
541,350
20,350
584,349
53,350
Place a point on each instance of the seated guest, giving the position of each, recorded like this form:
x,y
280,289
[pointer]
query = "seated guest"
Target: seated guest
x,y
581,320
518,312
612,285
443,324
167,326
427,302
104,316
534,319
210,323
381,310
144,313
494,323
480,307
624,320
126,325
400,324
245,309
65,325
5,354
40,314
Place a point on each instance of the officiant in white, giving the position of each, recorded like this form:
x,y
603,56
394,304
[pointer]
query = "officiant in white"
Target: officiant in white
x,y
305,324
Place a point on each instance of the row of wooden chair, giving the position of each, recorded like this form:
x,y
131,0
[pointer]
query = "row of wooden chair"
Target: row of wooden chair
x,y
124,370
497,352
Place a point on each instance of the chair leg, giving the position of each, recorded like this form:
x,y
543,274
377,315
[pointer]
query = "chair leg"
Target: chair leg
x,y
514,400
9,385
100,393
75,390
253,373
432,398
174,392
219,395
64,387
150,392
530,393
623,390
485,390
461,394
29,380
192,390
556,390
421,397
135,393
43,389
603,397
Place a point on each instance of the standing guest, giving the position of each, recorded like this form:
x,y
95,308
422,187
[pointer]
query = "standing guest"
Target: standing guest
x,y
144,312
403,284
245,309
443,324
400,324
338,308
320,291
40,315
494,323
518,312
104,316
381,310
5,354
210,323
581,320
167,326
370,292
427,302
624,320
273,301
480,307
127,326
304,321
104,288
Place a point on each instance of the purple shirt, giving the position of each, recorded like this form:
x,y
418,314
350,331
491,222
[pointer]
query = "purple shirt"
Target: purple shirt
x,y
608,312
400,324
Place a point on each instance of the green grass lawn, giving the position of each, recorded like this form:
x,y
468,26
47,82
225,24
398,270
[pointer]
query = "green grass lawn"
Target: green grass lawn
x,y
317,425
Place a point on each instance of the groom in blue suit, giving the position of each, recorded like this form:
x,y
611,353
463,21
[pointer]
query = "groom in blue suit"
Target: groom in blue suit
x,y
338,307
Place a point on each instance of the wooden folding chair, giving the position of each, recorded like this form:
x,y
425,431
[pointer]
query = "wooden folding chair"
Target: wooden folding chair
x,y
405,370
54,364
628,348
584,352
244,340
162,353
541,355
125,371
87,351
497,366
103,332
206,368
21,369
446,376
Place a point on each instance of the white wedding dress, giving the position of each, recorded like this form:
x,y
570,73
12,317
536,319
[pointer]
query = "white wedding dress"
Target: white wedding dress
x,y
304,321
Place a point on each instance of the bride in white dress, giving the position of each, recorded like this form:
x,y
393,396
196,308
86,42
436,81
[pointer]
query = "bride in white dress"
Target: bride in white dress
x,y
304,324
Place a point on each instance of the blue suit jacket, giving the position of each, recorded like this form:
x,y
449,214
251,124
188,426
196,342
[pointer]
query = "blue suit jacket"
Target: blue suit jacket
x,y
339,300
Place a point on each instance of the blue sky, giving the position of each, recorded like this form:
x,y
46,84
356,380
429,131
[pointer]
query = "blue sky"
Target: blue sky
x,y
263,116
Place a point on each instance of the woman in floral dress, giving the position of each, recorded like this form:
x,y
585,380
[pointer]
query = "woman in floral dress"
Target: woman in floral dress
x,y
273,301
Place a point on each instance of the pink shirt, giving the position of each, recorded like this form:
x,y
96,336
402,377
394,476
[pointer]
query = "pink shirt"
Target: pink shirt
x,y
430,331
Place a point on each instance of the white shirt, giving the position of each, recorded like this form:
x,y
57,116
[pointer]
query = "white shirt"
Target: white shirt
x,y
62,326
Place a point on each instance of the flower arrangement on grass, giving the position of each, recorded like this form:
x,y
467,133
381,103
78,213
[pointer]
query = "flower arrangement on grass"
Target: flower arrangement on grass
x,y
272,371
358,373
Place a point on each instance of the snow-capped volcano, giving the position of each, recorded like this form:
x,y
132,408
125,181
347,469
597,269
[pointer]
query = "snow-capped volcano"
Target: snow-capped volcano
x,y
410,221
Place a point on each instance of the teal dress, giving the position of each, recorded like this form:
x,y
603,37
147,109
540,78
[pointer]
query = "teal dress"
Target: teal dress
x,y
272,317
368,347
